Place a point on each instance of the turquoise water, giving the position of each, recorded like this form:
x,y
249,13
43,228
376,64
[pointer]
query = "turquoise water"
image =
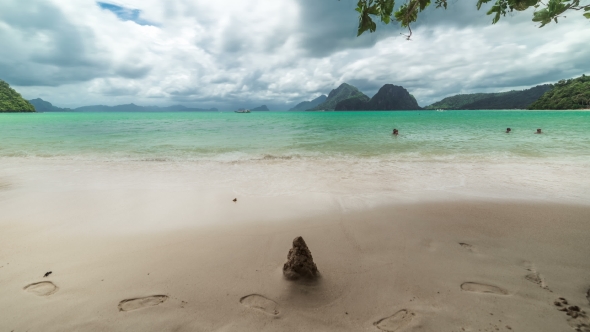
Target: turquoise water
x,y
286,135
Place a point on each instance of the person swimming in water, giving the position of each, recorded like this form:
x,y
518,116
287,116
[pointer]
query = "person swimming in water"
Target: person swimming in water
x,y
508,130
539,131
395,132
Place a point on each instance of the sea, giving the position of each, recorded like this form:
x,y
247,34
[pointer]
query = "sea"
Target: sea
x,y
279,153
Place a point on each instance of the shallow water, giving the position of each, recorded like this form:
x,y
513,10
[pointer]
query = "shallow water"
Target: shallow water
x,y
424,135
350,156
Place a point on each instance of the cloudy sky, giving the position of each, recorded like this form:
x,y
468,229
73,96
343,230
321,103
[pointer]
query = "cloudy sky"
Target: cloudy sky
x,y
244,53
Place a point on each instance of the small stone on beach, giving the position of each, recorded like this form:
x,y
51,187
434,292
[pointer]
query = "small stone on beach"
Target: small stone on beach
x,y
300,263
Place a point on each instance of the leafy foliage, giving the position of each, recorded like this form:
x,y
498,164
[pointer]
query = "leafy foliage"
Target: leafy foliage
x,y
12,101
566,95
368,8
407,13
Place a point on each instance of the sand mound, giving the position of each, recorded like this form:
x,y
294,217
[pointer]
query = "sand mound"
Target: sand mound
x,y
300,262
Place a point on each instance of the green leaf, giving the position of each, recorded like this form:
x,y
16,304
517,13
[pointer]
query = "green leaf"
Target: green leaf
x,y
542,16
587,15
424,4
373,10
386,10
481,2
407,14
366,22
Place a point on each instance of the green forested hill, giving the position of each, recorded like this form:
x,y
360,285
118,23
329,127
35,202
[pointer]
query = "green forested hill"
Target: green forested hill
x,y
569,94
457,101
45,106
305,105
389,98
509,100
343,92
11,101
489,101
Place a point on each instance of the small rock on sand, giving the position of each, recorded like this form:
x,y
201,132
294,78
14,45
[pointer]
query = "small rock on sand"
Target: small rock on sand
x,y
300,263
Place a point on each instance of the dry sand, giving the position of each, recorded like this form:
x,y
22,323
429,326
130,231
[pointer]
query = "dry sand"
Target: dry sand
x,y
124,260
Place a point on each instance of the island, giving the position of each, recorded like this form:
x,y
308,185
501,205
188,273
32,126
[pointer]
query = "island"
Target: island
x,y
12,101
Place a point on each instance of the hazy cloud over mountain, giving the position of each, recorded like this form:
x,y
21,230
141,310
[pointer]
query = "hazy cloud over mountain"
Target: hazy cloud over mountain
x,y
244,53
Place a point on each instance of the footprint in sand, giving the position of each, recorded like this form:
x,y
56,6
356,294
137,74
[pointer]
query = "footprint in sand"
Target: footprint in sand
x,y
534,276
588,296
260,303
142,302
395,322
578,320
44,288
483,288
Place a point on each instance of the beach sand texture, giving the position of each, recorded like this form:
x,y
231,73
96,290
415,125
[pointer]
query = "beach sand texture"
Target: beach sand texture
x,y
138,260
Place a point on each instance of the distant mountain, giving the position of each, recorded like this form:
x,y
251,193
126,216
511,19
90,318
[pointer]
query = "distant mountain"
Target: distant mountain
x,y
45,106
352,104
136,108
12,101
510,100
520,99
389,98
569,94
457,101
262,108
306,105
343,92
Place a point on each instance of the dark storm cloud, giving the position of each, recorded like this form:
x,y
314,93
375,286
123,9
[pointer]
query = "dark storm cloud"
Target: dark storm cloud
x,y
331,26
59,52
133,70
326,27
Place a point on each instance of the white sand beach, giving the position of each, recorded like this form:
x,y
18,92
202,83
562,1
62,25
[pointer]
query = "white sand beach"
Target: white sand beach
x,y
132,252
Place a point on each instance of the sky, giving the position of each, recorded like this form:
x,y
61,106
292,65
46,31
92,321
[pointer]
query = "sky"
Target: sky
x,y
245,53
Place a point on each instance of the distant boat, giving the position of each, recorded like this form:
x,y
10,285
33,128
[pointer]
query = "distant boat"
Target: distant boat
x,y
242,111
440,110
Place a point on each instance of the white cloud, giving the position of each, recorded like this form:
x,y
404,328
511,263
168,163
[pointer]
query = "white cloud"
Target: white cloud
x,y
247,52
